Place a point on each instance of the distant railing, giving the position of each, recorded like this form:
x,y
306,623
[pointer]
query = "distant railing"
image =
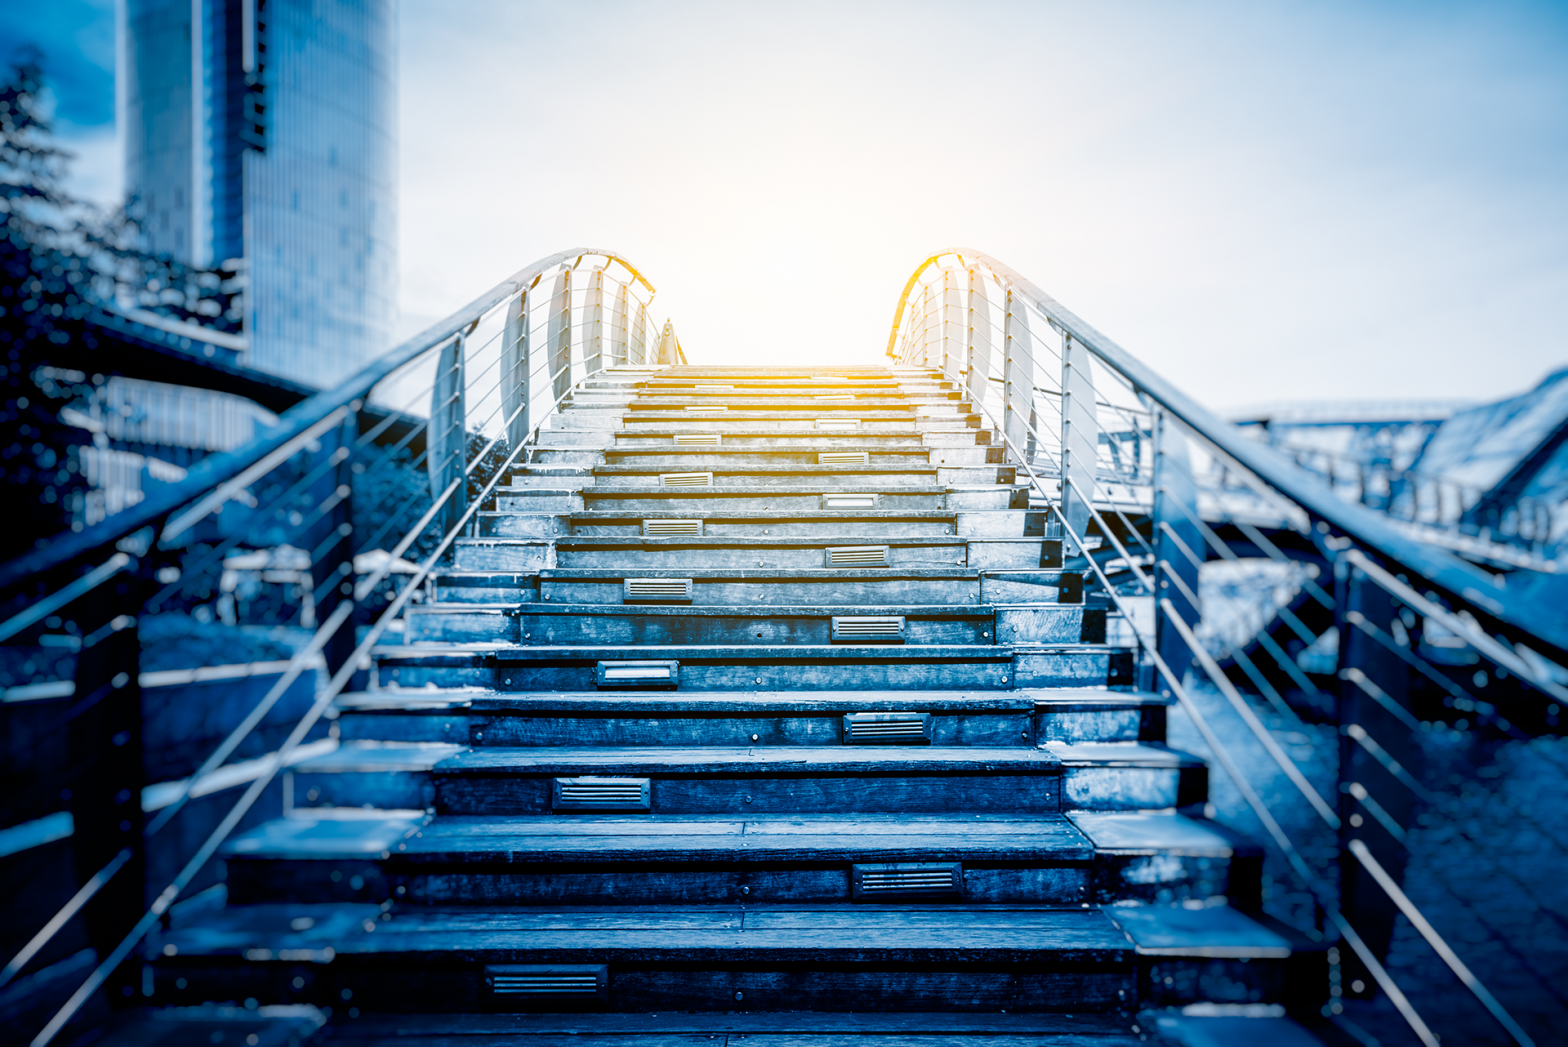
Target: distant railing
x,y
1146,486
326,526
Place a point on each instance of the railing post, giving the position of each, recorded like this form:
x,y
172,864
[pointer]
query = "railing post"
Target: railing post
x,y
593,342
105,771
954,338
640,334
331,539
515,394
1080,435
979,350
618,318
560,336
930,328
1175,536
447,452
1017,376
1376,807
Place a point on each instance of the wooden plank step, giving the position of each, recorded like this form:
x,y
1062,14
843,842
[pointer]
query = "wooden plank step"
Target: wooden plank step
x,y
666,860
688,958
1167,858
543,624
759,1029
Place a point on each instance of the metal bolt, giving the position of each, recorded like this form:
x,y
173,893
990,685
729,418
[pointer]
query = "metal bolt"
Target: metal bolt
x,y
745,890
754,737
478,735
740,996
747,799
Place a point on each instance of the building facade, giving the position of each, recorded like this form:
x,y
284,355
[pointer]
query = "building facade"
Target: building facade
x,y
262,133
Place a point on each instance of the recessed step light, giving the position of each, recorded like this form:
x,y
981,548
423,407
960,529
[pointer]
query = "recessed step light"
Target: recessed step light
x,y
685,479
715,408
844,458
887,729
849,501
576,981
600,794
868,628
669,528
656,590
856,556
697,439
834,396
907,880
838,423
663,675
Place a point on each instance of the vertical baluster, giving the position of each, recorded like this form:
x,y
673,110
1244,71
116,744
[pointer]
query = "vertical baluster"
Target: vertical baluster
x,y
104,745
954,321
1175,506
330,540
447,438
559,336
640,334
593,323
1017,376
1080,434
1374,703
979,337
618,332
930,311
514,372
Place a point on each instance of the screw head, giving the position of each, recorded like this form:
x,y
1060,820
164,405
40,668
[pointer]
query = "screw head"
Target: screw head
x,y
740,996
754,737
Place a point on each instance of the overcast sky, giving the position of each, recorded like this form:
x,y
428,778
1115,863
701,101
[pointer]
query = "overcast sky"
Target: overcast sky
x,y
1262,200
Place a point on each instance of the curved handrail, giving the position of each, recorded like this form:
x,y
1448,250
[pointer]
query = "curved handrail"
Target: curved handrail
x,y
216,469
1463,581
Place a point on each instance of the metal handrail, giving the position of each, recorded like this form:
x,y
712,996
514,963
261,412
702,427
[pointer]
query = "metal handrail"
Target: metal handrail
x,y
1469,585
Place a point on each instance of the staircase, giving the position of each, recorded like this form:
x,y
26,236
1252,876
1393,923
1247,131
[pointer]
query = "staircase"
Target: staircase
x,y
753,707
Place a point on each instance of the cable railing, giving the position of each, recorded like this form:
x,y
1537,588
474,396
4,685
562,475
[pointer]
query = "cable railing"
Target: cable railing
x,y
367,501
1200,491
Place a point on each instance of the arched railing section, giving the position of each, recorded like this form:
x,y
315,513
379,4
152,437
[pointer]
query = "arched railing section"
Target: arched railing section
x,y
1143,487
323,528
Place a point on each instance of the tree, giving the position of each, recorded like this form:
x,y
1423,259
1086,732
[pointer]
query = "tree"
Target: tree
x,y
60,261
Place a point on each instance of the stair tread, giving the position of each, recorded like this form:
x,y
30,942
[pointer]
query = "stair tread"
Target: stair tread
x,y
760,1029
730,610
665,838
841,759
438,654
1119,754
487,700
657,934
763,572
1138,832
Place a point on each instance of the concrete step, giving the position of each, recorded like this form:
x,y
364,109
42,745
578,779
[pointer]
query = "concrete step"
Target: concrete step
x,y
763,439
662,859
945,718
731,458
756,779
1021,717
763,475
746,551
686,958
751,422
890,522
951,586
542,624
733,498
696,668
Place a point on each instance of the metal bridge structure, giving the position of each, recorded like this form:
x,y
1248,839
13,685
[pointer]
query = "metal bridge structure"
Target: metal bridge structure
x,y
649,700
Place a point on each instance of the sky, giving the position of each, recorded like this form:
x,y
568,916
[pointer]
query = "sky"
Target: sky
x,y
1264,201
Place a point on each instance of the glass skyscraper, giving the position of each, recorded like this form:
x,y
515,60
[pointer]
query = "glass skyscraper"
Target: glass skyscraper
x,y
264,131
